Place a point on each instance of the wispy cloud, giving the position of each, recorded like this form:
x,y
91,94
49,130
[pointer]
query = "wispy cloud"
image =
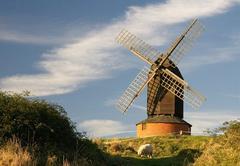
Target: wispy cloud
x,y
112,102
103,128
209,119
94,55
201,121
215,56
21,37
233,96
139,107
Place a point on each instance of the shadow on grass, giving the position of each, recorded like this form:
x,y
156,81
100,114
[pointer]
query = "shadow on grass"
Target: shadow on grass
x,y
184,157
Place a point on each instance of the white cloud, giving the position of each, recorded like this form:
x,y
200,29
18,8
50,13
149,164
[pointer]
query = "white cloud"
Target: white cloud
x,y
20,37
102,128
233,96
139,107
209,119
94,56
215,56
112,102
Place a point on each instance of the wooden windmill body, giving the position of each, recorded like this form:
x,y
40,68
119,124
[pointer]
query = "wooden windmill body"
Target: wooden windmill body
x,y
164,111
166,88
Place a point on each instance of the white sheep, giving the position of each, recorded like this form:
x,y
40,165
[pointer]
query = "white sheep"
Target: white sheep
x,y
145,150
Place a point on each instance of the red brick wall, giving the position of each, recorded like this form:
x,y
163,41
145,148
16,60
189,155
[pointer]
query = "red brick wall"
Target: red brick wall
x,y
157,129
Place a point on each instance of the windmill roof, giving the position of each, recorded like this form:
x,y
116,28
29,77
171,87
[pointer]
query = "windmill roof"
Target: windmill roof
x,y
164,119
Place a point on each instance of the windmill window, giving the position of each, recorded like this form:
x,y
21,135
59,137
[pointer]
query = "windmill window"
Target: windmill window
x,y
144,126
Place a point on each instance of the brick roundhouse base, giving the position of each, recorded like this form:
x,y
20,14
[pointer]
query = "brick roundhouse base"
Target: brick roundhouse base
x,y
162,125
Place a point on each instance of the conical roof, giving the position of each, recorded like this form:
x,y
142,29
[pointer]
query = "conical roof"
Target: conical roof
x,y
164,119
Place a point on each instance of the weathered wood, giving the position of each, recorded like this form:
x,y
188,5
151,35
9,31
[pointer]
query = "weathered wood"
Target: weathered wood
x,y
160,101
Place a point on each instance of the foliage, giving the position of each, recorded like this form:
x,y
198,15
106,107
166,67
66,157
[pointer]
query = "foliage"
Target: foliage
x,y
36,132
45,128
36,122
116,147
223,149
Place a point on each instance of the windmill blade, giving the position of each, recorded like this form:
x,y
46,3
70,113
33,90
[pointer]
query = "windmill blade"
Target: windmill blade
x,y
185,42
180,88
134,89
138,47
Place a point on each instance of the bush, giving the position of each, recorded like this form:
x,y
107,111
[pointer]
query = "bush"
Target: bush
x,y
223,149
44,126
115,147
36,122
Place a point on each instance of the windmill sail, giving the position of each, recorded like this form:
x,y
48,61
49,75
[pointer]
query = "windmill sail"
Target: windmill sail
x,y
138,47
180,88
185,42
134,89
160,62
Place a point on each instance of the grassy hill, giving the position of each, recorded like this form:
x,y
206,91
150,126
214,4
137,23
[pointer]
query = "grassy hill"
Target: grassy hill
x,y
36,132
172,150
180,150
168,151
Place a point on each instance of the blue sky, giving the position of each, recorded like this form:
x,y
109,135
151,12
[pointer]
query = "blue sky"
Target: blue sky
x,y
64,52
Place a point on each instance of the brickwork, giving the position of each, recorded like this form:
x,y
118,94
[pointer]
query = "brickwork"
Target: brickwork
x,y
157,129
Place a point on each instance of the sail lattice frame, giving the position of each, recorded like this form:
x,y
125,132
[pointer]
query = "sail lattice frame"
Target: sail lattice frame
x,y
133,90
181,89
169,80
185,43
138,47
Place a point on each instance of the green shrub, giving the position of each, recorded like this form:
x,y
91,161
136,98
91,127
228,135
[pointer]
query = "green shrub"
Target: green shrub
x,y
44,126
223,149
115,147
36,122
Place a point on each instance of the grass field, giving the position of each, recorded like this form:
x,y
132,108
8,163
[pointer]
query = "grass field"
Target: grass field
x,y
177,150
36,132
168,151
181,150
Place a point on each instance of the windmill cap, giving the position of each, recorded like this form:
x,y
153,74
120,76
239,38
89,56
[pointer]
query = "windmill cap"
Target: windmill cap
x,y
164,119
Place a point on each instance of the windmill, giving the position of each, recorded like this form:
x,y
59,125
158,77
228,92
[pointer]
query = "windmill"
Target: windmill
x,y
166,88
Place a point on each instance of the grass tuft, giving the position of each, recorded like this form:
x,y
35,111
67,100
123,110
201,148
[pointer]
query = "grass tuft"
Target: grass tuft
x,y
12,154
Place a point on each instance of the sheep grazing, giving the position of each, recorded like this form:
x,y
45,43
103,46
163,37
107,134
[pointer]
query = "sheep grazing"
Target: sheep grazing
x,y
145,150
